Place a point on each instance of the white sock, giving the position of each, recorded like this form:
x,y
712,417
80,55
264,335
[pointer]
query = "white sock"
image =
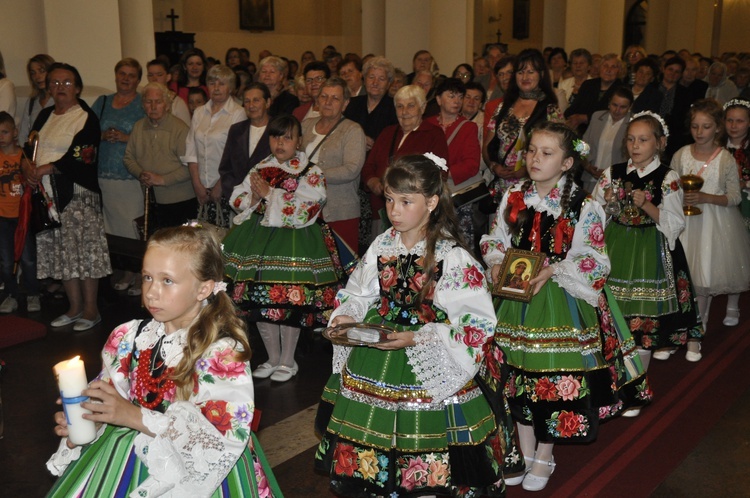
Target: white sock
x,y
269,332
527,440
704,305
289,337
733,305
645,356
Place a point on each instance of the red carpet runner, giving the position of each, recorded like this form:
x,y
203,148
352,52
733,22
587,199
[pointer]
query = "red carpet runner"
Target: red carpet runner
x,y
15,330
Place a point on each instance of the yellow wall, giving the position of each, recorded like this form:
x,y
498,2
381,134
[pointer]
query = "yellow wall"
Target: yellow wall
x,y
486,31
735,21
299,25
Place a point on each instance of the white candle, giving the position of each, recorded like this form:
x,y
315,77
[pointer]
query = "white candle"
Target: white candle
x,y
71,379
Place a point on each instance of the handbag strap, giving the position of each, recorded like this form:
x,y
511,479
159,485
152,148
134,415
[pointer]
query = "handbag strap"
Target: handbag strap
x,y
455,132
104,105
392,149
325,137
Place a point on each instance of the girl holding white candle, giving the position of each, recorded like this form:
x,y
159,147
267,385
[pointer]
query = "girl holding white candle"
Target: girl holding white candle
x,y
175,396
71,378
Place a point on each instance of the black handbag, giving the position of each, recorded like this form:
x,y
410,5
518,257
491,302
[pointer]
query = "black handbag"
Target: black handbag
x,y
472,193
40,219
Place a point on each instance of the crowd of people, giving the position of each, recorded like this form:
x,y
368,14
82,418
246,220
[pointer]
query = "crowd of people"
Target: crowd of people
x,y
355,192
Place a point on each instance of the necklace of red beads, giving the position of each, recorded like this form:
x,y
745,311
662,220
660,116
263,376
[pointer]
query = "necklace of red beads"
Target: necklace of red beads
x,y
146,383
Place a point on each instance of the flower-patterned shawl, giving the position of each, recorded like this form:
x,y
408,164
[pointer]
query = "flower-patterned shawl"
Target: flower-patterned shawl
x,y
217,415
447,355
585,268
298,193
671,217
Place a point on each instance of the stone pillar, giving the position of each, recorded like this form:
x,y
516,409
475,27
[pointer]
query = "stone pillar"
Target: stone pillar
x,y
86,34
656,22
373,27
555,25
137,31
451,33
444,27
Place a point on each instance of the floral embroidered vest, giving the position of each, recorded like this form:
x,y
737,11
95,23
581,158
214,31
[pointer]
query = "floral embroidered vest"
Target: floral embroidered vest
x,y
401,280
742,157
651,184
555,235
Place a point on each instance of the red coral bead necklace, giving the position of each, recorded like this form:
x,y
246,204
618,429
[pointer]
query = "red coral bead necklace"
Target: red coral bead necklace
x,y
145,382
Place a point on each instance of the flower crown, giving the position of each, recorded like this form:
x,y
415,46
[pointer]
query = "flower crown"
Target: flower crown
x,y
737,102
439,161
581,147
656,117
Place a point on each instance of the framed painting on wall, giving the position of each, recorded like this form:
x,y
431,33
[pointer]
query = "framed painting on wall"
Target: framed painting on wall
x,y
256,15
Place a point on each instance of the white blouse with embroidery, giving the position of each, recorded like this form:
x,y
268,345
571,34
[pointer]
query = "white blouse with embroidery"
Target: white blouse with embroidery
x,y
295,203
197,441
446,355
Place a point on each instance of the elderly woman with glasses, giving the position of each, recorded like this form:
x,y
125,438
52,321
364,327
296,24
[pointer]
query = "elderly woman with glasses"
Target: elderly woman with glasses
x,y
205,144
66,166
337,146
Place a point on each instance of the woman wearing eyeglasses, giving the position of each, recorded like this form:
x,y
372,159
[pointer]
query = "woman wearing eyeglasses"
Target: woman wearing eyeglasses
x,y
464,72
337,146
316,73
66,165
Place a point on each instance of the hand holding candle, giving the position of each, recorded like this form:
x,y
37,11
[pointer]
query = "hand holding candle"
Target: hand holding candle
x,y
71,379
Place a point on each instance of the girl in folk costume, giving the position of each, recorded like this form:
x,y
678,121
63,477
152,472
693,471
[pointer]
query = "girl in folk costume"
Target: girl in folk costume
x,y
284,263
175,393
737,124
569,358
405,417
650,277
716,242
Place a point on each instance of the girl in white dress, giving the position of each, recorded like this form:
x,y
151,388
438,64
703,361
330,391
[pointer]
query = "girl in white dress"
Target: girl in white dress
x,y
716,243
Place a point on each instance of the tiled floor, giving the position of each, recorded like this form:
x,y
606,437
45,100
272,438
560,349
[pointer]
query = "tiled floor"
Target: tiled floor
x,y
717,467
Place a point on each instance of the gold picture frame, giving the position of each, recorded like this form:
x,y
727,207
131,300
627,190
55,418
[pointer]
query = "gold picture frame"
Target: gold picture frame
x,y
519,267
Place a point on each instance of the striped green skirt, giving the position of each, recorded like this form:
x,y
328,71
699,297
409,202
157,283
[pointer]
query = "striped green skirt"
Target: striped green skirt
x,y
284,275
383,434
652,286
109,468
566,364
